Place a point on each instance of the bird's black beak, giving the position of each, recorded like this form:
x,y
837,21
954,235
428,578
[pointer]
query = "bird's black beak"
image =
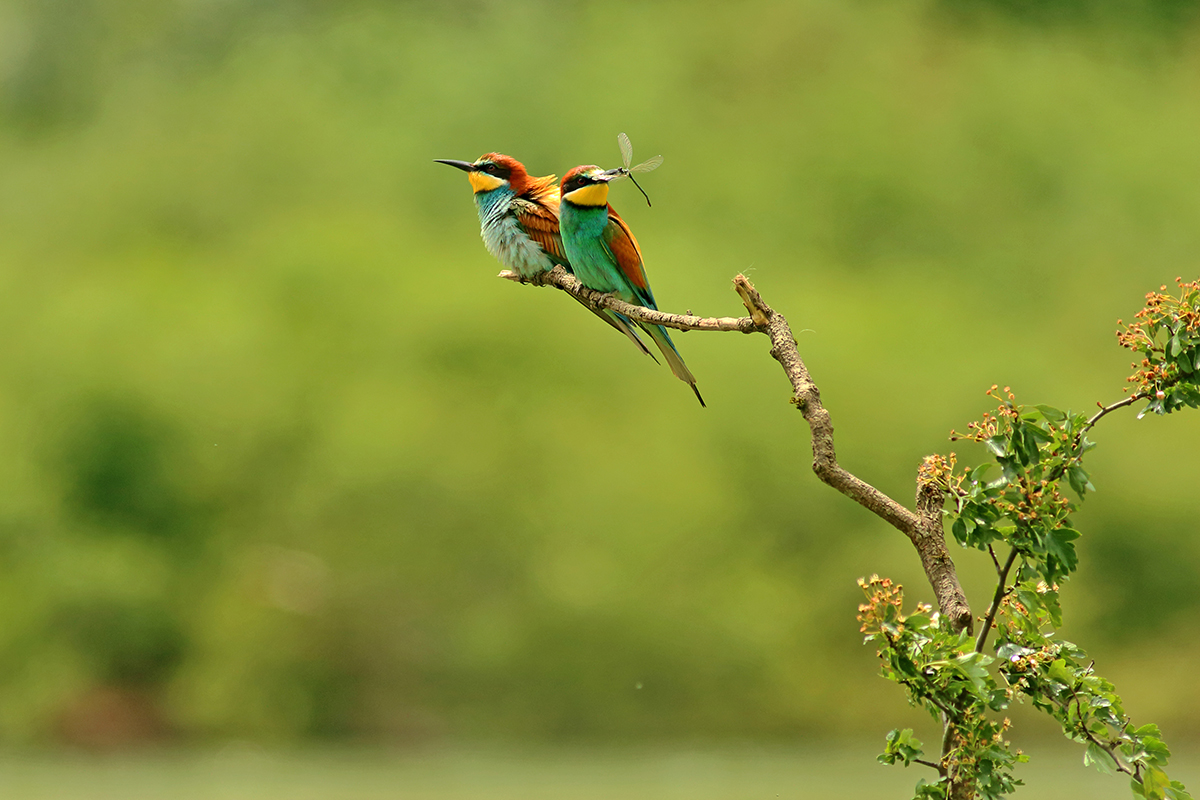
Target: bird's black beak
x,y
465,166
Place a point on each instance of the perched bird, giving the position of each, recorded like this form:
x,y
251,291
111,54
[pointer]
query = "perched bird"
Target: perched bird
x,y
604,254
518,218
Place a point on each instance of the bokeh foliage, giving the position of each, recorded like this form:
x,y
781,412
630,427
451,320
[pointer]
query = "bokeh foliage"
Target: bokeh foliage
x,y
280,458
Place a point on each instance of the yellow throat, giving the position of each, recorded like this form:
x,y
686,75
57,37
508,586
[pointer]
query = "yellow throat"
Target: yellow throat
x,y
482,182
595,194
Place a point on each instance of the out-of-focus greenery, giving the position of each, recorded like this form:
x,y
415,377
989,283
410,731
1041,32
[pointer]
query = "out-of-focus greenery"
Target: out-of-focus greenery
x,y
593,773
280,458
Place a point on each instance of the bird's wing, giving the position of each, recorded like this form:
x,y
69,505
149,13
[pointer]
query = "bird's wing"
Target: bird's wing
x,y
540,221
628,256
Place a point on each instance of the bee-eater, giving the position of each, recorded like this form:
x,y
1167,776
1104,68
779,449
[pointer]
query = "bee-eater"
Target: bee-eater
x,y
518,219
604,254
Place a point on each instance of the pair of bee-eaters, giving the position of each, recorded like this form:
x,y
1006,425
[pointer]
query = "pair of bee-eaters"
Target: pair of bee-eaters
x,y
529,224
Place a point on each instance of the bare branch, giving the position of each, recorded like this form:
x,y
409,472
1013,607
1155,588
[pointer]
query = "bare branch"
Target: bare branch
x,y
929,539
559,278
1104,410
807,397
948,729
1002,591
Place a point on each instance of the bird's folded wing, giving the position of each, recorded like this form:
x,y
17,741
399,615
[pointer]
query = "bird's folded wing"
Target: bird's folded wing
x,y
541,223
628,256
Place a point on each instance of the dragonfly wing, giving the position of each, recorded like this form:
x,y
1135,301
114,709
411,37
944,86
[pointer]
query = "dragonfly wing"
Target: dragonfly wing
x,y
626,148
647,165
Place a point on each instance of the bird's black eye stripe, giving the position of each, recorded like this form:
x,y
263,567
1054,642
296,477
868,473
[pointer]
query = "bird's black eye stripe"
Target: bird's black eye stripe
x,y
492,168
578,182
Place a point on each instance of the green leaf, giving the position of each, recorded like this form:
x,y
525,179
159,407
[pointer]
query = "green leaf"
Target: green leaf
x,y
905,666
1028,446
997,444
1077,476
1156,750
1155,784
1038,433
1189,394
901,746
976,474
1178,792
959,529
930,791
1051,413
1012,473
1059,544
917,621
1153,407
1097,756
1058,671
1029,597
972,666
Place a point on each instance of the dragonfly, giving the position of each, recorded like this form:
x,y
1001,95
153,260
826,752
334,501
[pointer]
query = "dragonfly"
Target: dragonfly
x,y
627,171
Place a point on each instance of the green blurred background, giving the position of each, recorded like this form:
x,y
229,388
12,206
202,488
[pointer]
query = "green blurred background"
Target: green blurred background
x,y
281,462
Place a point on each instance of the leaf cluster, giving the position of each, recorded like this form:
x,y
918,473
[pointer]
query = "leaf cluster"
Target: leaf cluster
x,y
1036,448
1166,333
943,674
1019,499
1058,679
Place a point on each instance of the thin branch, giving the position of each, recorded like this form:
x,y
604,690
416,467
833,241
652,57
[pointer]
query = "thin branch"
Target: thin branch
x,y
559,278
996,561
1105,410
959,786
947,733
1061,469
1002,591
1107,747
925,763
